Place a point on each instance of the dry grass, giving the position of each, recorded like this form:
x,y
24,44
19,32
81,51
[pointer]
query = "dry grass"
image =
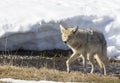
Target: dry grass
x,y
4,82
25,73
36,66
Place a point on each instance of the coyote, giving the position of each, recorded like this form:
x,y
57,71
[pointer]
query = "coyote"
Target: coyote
x,y
86,43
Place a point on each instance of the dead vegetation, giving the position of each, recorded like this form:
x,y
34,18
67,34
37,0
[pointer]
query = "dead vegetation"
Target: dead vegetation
x,y
25,73
41,67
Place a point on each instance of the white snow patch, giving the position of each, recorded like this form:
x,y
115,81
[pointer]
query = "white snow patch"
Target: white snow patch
x,y
31,81
34,24
112,50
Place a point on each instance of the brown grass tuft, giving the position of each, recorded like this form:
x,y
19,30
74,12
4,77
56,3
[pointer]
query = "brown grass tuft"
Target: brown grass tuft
x,y
25,73
49,65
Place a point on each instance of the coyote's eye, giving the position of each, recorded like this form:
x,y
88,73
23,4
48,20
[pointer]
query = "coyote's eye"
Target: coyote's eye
x,y
66,36
70,35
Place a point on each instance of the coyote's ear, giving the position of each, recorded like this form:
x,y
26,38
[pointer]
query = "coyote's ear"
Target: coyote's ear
x,y
62,28
75,29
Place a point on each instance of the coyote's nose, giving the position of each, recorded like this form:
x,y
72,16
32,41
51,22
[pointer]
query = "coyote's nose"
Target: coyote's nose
x,y
65,42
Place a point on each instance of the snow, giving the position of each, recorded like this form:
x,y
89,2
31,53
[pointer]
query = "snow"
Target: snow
x,y
31,81
34,24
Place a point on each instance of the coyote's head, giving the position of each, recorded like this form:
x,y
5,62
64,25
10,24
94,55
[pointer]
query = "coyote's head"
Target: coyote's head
x,y
67,33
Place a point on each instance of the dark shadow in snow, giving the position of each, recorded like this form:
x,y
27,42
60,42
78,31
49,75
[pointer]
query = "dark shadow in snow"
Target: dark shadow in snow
x,y
46,35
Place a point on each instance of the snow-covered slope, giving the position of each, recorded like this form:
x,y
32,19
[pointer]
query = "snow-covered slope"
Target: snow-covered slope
x,y
34,24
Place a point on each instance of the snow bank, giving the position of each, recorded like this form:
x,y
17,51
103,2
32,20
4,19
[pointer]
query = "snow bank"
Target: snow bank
x,y
34,24
34,37
31,81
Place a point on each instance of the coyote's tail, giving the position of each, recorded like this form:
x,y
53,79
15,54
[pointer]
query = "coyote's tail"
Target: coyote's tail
x,y
104,54
102,58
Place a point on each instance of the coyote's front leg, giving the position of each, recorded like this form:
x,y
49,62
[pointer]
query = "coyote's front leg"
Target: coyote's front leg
x,y
73,57
84,57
